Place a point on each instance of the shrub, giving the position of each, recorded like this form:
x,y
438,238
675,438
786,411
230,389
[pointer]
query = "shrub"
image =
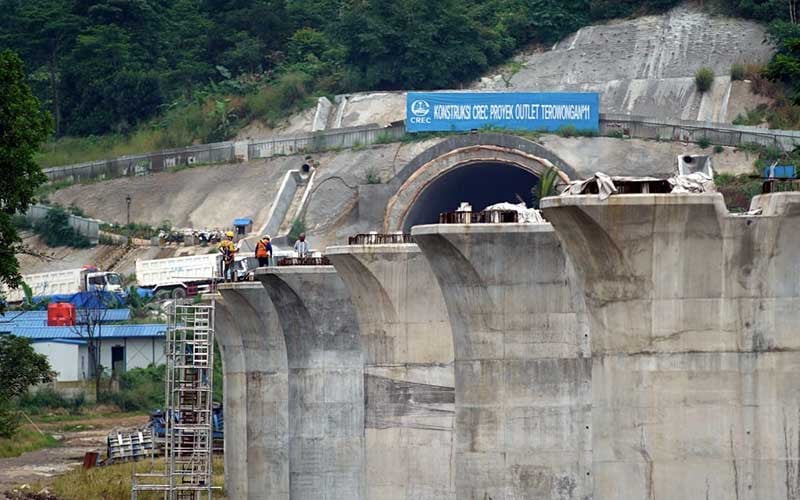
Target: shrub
x,y
703,79
56,231
567,131
298,226
140,389
718,149
20,221
738,72
703,142
371,176
46,399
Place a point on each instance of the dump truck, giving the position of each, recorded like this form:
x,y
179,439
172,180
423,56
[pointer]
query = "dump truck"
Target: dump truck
x,y
180,277
84,279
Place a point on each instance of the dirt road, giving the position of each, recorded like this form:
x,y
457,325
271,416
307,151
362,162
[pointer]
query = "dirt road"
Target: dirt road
x,y
40,466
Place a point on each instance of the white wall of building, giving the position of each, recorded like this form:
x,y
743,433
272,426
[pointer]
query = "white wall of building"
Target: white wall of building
x,y
71,361
139,351
64,359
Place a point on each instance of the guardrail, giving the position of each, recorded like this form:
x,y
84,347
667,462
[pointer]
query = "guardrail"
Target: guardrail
x,y
721,134
304,261
227,152
380,239
485,217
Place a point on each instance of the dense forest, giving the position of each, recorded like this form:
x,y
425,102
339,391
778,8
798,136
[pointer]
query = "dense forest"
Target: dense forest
x,y
108,65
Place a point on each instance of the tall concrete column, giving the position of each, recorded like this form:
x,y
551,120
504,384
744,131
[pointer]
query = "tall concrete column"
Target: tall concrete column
x,y
266,387
326,381
406,338
694,316
234,384
521,366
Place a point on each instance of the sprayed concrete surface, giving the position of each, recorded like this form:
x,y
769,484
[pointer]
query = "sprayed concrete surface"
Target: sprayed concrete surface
x,y
326,382
200,197
409,387
694,351
522,369
256,392
646,66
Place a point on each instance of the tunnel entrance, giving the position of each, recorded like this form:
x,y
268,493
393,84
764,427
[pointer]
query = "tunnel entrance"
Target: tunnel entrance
x,y
479,184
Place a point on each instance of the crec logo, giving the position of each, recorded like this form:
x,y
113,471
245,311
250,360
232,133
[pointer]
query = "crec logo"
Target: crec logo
x,y
420,108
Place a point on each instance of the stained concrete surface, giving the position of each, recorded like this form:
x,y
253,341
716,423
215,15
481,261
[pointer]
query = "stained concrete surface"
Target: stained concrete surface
x,y
408,348
522,370
694,352
249,332
326,381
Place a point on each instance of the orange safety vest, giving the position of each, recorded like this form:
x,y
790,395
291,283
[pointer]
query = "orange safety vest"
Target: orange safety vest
x,y
261,250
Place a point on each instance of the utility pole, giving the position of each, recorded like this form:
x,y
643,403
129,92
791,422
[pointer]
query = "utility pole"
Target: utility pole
x,y
128,224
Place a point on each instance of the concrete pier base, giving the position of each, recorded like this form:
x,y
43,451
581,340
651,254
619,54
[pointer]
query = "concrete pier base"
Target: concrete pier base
x,y
246,308
694,316
326,382
406,338
522,374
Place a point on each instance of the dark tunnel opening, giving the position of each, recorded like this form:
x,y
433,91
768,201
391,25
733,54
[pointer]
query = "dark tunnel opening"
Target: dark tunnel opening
x,y
480,184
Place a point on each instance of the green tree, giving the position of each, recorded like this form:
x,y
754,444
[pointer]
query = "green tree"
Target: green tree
x,y
785,65
23,127
20,368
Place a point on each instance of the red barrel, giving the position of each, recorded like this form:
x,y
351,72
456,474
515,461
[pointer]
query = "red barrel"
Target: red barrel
x,y
61,314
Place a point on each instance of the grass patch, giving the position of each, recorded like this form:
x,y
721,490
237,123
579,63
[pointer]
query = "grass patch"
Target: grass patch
x,y
25,439
704,79
114,481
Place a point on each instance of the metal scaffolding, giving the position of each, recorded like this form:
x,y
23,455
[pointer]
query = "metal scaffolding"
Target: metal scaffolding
x,y
189,436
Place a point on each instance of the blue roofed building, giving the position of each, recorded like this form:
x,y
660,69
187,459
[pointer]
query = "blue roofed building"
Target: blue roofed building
x,y
122,347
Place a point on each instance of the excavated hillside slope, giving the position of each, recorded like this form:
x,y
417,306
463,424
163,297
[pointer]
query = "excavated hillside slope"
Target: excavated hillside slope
x,y
643,66
646,66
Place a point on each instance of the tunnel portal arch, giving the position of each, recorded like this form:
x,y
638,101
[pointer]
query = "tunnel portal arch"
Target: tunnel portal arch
x,y
506,153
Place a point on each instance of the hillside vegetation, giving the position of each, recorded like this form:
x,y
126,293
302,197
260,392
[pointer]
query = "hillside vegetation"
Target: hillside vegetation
x,y
150,74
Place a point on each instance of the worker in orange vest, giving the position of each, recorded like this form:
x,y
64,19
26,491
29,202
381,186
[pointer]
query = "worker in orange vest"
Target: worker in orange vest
x,y
263,251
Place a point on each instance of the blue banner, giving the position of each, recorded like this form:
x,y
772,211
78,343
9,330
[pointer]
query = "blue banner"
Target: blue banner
x,y
538,111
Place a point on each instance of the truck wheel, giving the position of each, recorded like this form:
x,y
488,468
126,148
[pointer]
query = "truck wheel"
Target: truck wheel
x,y
179,293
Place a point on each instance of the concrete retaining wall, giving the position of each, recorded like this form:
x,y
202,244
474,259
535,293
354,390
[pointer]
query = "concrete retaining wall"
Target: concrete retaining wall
x,y
694,316
521,368
326,382
409,391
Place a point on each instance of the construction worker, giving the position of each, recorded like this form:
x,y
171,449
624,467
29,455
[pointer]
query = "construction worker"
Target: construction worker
x,y
263,251
301,246
228,250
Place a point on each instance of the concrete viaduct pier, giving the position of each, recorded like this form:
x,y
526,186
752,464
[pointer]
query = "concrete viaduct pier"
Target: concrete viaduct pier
x,y
694,316
409,386
256,393
326,381
522,371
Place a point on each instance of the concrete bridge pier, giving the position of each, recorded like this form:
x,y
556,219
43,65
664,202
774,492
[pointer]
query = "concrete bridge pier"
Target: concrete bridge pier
x,y
694,316
522,371
326,381
235,397
250,322
409,387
